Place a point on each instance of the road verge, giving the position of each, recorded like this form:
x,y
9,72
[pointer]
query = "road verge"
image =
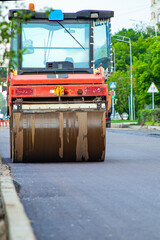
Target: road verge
x,y
135,127
17,225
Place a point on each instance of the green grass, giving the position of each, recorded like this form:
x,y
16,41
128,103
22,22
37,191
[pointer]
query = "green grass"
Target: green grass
x,y
123,121
152,123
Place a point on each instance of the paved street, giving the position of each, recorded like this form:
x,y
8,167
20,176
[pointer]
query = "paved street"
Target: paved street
x,y
118,199
4,142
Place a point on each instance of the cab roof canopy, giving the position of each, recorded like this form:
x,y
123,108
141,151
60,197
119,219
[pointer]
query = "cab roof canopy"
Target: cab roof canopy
x,y
84,14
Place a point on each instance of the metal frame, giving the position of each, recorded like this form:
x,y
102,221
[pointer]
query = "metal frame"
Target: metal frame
x,y
42,91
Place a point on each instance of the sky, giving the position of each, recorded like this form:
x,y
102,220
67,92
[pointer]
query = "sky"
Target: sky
x,y
127,13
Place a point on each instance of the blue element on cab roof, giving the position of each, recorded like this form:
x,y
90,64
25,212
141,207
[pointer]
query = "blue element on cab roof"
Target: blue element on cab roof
x,y
56,15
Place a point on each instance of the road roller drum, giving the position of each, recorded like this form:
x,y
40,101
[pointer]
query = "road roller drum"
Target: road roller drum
x,y
58,136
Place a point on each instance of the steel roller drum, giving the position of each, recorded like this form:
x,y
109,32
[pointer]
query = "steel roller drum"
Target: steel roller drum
x,y
58,136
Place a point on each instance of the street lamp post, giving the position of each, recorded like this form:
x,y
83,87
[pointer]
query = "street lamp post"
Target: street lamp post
x,y
128,40
114,59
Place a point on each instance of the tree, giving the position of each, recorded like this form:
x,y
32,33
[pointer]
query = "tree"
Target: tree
x,y
122,90
145,68
146,71
122,56
130,33
7,56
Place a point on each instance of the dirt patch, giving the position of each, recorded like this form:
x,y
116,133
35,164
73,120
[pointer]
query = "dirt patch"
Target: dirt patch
x,y
4,169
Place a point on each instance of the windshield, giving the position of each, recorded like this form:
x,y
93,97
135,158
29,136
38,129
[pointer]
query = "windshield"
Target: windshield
x,y
54,42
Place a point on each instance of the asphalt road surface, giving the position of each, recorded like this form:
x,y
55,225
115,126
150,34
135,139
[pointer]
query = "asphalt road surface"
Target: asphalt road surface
x,y
118,199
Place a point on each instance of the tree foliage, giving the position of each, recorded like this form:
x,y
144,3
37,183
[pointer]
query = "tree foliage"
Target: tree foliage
x,y
6,33
7,56
145,68
122,80
146,71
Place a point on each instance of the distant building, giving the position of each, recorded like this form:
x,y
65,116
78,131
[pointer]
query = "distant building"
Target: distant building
x,y
155,13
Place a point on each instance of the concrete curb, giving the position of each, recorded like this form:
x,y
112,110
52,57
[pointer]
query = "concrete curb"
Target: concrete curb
x,y
157,128
121,125
19,227
135,127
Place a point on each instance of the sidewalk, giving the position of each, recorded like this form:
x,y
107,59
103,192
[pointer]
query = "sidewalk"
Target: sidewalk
x,y
14,223
157,128
3,223
135,127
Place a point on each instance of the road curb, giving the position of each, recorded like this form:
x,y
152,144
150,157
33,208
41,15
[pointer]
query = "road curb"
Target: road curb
x,y
155,128
19,227
134,127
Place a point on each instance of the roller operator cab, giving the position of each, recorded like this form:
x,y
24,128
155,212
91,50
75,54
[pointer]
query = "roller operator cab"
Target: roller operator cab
x,y
58,99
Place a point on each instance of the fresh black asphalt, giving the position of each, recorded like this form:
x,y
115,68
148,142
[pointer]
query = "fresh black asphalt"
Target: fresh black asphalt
x,y
118,199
